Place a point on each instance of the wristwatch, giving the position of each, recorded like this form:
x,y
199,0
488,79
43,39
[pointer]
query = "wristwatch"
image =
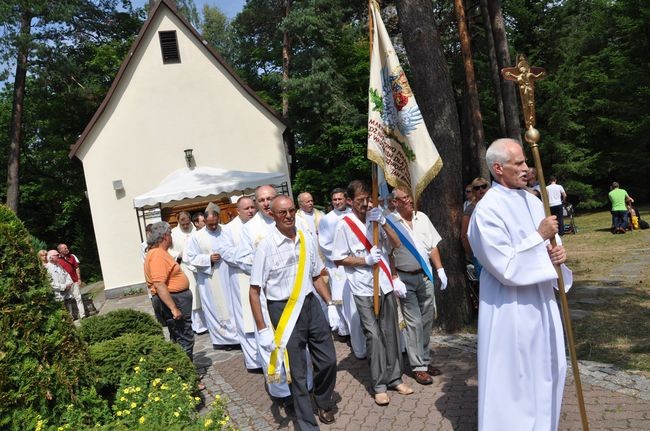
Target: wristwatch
x,y
330,303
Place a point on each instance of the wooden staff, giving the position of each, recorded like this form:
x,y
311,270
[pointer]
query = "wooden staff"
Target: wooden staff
x,y
375,190
525,77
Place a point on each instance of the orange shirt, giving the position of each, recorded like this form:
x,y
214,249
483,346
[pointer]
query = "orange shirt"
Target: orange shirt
x,y
160,267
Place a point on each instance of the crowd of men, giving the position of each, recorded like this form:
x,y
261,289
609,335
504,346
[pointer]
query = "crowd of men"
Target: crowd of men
x,y
277,280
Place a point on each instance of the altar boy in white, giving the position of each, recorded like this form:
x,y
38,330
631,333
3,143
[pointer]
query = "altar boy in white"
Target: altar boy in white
x,y
521,359
204,252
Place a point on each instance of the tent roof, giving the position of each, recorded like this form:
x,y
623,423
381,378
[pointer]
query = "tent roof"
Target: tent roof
x,y
205,181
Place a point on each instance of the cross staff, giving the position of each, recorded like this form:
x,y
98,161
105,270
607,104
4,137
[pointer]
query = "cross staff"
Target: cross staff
x,y
525,77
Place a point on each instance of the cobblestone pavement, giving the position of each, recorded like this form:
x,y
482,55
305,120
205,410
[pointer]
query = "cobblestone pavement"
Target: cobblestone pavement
x,y
615,400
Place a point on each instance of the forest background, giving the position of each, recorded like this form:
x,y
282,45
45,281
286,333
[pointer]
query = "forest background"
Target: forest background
x,y
309,59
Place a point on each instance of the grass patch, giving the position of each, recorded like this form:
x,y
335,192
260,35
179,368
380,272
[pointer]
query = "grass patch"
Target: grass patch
x,y
611,275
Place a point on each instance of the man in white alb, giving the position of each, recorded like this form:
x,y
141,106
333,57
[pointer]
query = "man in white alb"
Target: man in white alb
x,y
307,214
239,284
180,236
204,252
349,323
287,266
521,359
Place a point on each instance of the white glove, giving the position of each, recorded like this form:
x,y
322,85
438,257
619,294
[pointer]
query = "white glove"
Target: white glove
x,y
266,339
377,214
443,278
373,256
399,288
333,316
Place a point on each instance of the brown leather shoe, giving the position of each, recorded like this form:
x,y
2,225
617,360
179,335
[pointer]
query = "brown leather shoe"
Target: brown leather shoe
x,y
381,399
326,416
433,371
403,389
422,377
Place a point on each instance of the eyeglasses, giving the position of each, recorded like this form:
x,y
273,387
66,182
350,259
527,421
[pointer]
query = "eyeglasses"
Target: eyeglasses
x,y
284,213
482,186
403,198
468,191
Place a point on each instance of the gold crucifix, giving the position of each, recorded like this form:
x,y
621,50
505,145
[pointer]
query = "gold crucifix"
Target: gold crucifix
x,y
525,76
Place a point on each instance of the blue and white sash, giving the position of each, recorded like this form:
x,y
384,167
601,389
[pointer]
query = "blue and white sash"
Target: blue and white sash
x,y
415,247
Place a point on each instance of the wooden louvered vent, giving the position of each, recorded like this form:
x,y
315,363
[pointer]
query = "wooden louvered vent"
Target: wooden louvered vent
x,y
169,47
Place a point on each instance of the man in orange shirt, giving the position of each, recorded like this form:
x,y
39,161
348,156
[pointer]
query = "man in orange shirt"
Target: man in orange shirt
x,y
172,298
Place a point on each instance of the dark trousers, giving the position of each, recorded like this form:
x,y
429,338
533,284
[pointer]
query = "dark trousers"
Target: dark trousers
x,y
558,211
382,340
180,331
313,331
619,219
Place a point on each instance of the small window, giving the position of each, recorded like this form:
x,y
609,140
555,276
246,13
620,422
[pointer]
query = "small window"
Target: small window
x,y
169,47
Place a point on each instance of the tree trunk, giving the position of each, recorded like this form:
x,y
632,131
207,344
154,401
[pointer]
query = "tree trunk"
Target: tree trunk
x,y
494,67
508,89
477,145
15,134
442,199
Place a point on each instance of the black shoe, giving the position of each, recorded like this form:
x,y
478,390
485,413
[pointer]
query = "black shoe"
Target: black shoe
x,y
326,416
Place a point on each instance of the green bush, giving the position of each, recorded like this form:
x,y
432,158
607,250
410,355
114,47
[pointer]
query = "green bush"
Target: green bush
x,y
114,359
43,362
117,323
151,403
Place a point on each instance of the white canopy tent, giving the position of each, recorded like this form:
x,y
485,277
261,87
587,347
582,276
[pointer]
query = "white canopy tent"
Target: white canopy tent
x,y
205,181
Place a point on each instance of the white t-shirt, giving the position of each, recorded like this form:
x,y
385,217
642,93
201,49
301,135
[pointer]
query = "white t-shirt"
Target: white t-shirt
x,y
555,192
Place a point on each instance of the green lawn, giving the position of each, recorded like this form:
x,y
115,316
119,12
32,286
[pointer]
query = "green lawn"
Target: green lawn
x,y
617,330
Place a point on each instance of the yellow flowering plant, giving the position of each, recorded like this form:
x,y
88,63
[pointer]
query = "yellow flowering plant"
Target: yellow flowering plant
x,y
165,402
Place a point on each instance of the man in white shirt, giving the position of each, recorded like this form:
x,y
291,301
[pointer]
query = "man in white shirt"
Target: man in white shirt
x,y
206,251
287,266
252,233
239,285
556,198
309,215
349,323
353,249
521,359
413,263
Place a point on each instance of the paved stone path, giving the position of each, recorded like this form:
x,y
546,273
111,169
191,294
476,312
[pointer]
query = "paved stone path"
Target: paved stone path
x,y
615,400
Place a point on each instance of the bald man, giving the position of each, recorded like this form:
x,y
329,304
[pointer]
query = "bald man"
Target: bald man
x,y
288,268
309,215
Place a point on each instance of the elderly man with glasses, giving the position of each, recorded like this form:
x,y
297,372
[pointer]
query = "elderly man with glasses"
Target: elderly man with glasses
x,y
413,262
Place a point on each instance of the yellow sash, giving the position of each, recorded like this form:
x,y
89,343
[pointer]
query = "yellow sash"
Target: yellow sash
x,y
280,351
